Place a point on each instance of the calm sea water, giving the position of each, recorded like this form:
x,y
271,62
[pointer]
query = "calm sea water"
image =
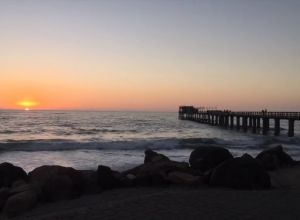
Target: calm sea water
x,y
85,139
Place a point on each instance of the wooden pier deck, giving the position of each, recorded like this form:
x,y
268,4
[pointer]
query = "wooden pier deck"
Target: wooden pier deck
x,y
256,121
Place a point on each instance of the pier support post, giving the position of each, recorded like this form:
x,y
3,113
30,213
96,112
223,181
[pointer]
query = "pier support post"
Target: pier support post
x,y
238,122
231,121
258,122
245,125
265,126
226,121
277,127
220,120
250,122
209,119
291,128
254,125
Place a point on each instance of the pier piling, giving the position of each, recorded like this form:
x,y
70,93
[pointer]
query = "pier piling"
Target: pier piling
x,y
277,127
245,124
254,125
291,127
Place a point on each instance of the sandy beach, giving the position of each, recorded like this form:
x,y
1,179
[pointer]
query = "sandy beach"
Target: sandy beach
x,y
175,203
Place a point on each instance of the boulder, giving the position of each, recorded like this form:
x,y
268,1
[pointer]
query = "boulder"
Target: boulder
x,y
152,156
162,166
107,178
240,173
274,158
57,182
151,179
90,181
4,194
19,186
205,158
155,173
20,203
130,176
182,178
10,173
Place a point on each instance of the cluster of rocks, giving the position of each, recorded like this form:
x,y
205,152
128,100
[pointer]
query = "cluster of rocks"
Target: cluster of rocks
x,y
211,166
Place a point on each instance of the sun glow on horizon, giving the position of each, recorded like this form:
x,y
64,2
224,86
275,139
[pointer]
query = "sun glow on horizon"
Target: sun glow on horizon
x,y
26,104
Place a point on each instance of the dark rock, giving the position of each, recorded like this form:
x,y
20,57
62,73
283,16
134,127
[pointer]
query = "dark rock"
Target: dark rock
x,y
90,181
241,173
19,186
162,166
10,173
152,156
22,186
57,182
20,203
4,194
206,176
151,179
274,158
130,176
155,173
107,178
205,158
127,180
182,178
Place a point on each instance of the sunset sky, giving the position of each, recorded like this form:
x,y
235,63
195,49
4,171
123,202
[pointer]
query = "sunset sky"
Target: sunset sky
x,y
149,55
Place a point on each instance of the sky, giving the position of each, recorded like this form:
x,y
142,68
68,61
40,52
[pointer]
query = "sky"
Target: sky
x,y
150,55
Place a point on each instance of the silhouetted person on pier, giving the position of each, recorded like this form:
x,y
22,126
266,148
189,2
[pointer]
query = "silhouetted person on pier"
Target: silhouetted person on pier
x,y
264,111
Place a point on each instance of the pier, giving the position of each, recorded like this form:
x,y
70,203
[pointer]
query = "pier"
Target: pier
x,y
256,122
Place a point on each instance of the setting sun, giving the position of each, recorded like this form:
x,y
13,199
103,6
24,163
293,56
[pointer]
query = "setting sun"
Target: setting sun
x,y
26,104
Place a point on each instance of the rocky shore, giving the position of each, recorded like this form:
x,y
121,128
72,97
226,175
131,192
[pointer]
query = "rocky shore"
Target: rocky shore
x,y
210,170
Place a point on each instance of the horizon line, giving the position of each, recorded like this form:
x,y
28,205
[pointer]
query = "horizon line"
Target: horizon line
x,y
91,110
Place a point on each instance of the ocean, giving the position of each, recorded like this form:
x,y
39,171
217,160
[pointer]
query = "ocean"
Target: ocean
x,y
86,139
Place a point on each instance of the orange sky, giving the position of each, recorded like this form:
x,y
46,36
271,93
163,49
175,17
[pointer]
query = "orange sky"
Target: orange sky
x,y
138,56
